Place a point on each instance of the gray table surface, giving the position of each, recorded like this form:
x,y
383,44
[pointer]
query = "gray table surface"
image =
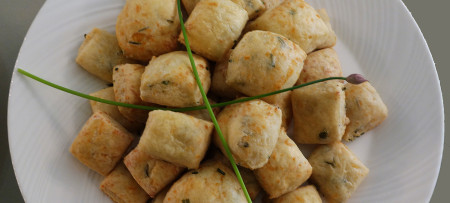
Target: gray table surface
x,y
17,15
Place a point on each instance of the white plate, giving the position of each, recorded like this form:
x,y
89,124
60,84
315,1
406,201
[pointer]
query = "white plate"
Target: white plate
x,y
379,39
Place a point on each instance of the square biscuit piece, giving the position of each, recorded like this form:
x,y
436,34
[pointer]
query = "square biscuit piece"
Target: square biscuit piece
x,y
337,171
286,170
263,62
101,143
99,53
299,22
251,130
365,109
112,110
168,80
319,113
127,83
120,186
150,173
213,182
147,28
320,64
176,138
304,194
253,7
213,27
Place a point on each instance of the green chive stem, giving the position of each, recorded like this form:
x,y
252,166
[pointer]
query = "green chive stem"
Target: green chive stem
x,y
193,108
208,106
86,96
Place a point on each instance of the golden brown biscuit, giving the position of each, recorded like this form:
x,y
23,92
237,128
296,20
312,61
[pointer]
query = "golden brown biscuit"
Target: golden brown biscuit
x,y
150,173
263,62
251,130
99,53
212,182
299,22
169,80
127,82
112,110
253,7
305,194
271,3
319,113
365,109
337,171
120,186
101,143
320,64
249,178
176,138
147,28
286,170
213,26
218,84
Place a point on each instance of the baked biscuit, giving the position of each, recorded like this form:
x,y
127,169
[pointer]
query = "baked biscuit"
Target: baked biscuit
x,y
169,80
251,130
320,64
319,113
176,138
299,22
99,53
101,143
147,28
120,186
112,110
213,27
286,170
365,109
337,171
305,194
150,173
212,182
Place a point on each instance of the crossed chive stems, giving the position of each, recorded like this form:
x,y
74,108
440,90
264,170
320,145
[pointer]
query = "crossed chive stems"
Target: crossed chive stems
x,y
353,78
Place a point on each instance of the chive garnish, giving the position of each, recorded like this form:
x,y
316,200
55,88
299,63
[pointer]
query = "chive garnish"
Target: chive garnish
x,y
185,201
146,170
272,60
208,106
135,43
331,163
170,21
220,171
282,42
165,82
194,172
323,134
85,36
142,29
150,108
109,84
292,12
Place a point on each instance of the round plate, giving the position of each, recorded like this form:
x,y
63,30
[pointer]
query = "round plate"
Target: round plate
x,y
378,39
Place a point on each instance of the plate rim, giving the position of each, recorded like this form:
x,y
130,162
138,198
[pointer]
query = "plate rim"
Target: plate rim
x,y
416,26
